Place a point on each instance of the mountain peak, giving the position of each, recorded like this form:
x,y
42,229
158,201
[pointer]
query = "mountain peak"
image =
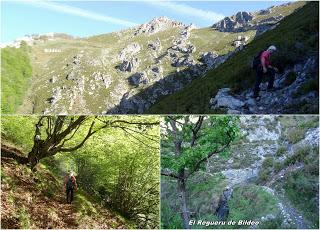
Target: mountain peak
x,y
157,24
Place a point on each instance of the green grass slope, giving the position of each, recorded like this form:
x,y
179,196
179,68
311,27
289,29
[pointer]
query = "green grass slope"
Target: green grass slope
x,y
29,201
16,72
301,26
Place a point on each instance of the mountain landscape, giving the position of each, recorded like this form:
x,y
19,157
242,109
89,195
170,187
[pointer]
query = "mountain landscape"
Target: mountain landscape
x,y
267,177
164,66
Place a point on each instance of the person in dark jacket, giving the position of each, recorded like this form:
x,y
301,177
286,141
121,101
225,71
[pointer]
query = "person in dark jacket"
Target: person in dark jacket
x,y
70,183
265,68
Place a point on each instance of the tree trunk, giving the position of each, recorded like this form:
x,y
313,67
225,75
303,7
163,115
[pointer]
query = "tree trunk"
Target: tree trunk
x,y
183,203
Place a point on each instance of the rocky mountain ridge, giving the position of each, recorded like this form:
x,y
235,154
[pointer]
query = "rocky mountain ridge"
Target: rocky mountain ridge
x,y
126,71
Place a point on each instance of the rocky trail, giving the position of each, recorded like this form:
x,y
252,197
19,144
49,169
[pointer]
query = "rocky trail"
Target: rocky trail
x,y
290,214
287,92
38,201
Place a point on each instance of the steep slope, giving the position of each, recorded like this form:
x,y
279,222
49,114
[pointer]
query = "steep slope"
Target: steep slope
x,y
36,199
296,37
128,71
270,176
29,201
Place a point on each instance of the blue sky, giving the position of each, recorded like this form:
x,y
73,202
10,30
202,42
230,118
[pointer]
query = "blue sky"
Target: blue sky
x,y
85,18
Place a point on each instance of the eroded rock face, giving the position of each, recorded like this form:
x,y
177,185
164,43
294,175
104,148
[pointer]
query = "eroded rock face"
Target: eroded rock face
x,y
156,25
138,79
243,21
237,21
156,45
129,65
183,61
209,58
223,99
129,51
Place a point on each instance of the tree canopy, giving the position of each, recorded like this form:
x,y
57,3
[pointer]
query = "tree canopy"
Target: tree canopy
x,y
118,164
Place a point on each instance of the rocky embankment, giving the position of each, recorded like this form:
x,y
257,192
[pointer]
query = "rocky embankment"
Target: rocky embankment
x,y
263,139
291,91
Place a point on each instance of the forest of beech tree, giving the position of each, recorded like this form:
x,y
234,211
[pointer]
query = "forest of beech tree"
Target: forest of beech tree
x,y
115,160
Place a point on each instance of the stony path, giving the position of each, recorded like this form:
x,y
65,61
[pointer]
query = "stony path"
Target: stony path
x,y
291,214
284,99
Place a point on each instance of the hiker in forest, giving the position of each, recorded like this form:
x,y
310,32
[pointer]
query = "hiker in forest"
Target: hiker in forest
x,y
263,66
70,185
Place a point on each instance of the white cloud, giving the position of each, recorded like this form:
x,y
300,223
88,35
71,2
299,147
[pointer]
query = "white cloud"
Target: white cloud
x,y
63,8
182,8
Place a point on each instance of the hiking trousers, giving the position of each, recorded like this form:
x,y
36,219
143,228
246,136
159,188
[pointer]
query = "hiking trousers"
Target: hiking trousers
x,y
259,75
69,193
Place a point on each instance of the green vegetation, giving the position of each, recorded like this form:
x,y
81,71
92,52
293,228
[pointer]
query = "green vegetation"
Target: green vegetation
x,y
117,173
281,151
290,78
308,86
302,187
295,135
170,219
24,218
187,143
16,73
251,202
267,169
301,26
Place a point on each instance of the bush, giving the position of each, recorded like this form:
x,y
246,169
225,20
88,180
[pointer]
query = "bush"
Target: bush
x,y
298,156
290,78
266,169
277,167
295,134
268,162
281,151
308,86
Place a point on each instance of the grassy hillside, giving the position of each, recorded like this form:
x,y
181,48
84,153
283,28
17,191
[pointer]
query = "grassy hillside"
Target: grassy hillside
x,y
16,72
300,27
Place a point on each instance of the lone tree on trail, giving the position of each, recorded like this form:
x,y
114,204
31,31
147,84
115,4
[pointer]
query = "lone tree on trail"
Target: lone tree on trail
x,y
62,134
187,142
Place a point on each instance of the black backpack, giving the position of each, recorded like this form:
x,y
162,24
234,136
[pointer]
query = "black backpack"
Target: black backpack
x,y
256,60
70,183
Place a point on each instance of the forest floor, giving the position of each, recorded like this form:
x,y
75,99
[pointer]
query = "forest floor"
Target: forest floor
x,y
37,200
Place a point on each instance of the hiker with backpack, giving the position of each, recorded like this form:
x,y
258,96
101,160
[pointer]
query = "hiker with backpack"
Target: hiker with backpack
x,y
262,65
70,185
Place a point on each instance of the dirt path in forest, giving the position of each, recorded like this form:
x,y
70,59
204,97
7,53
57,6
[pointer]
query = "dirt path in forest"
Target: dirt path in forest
x,y
25,196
